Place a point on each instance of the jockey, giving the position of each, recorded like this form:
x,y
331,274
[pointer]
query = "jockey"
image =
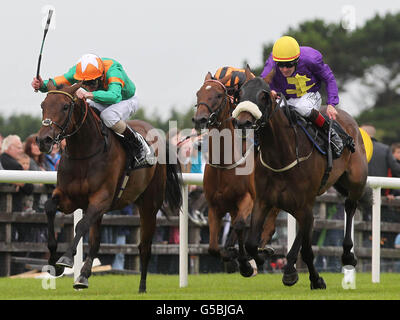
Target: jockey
x,y
108,89
238,77
297,72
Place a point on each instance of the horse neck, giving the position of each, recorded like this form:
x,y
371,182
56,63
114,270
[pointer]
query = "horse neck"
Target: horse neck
x,y
225,127
277,139
88,138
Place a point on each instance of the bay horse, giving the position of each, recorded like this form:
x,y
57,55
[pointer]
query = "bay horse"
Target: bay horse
x,y
291,180
225,190
89,177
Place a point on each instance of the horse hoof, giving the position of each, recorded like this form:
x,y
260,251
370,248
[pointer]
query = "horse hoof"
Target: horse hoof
x,y
65,261
54,270
318,284
81,283
248,268
231,266
266,252
289,279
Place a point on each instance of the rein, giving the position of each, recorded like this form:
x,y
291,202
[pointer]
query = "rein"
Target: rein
x,y
263,124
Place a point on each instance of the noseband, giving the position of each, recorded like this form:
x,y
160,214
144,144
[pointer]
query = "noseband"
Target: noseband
x,y
62,135
213,117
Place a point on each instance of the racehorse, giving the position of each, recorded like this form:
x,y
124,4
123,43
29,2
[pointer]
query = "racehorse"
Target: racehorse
x,y
92,176
289,173
224,189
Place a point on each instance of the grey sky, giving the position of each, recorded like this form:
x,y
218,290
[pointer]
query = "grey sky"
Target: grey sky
x,y
166,47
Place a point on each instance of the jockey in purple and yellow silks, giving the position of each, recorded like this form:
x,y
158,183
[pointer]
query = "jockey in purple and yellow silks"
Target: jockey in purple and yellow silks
x,y
109,90
298,72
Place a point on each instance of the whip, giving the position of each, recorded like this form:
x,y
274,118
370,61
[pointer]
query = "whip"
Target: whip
x,y
46,29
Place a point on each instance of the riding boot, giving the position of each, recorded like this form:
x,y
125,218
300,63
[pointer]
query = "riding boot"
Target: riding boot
x,y
137,149
321,122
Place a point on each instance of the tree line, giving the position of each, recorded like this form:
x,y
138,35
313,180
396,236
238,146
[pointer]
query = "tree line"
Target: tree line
x,y
369,55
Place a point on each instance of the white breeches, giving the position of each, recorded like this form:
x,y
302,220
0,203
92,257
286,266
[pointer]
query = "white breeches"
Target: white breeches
x,y
304,104
111,114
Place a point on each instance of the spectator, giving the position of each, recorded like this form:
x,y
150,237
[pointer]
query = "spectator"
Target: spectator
x,y
32,150
382,162
11,151
38,163
53,158
27,201
392,193
382,158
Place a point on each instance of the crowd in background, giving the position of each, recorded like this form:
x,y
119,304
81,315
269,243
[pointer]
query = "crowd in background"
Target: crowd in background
x,y
25,155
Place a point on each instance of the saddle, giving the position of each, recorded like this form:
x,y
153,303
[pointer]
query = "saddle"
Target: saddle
x,y
105,133
316,135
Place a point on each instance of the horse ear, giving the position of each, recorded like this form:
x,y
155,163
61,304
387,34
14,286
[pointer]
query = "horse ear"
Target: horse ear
x,y
269,76
50,85
208,76
248,73
74,87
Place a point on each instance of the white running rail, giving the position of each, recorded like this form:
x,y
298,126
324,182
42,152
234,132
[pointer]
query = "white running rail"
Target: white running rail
x,y
377,183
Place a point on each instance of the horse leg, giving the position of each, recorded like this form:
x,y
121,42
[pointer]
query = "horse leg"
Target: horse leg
x,y
94,244
82,227
268,232
256,226
348,257
290,275
245,206
214,226
230,253
50,208
147,228
306,227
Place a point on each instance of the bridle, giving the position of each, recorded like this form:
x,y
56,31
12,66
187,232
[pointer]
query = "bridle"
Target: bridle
x,y
62,135
213,117
262,122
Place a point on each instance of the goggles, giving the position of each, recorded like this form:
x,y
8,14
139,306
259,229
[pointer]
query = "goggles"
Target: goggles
x,y
289,64
91,83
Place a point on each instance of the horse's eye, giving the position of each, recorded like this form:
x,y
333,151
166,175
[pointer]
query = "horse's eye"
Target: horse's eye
x,y
220,95
66,106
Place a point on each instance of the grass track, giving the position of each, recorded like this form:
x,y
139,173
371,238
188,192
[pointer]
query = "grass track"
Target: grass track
x,y
203,287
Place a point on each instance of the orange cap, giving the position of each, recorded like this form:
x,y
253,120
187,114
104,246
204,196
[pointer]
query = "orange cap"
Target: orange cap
x,y
89,67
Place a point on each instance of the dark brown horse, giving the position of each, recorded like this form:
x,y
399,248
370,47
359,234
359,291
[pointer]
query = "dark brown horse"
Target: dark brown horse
x,y
291,181
89,177
226,188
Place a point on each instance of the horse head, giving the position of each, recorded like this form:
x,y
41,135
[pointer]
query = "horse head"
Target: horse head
x,y
255,103
213,103
57,116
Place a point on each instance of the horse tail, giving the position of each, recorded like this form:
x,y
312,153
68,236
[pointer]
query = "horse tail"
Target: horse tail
x,y
364,203
173,191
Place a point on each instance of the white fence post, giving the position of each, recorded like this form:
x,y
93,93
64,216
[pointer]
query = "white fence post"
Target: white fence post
x,y
183,240
78,258
376,235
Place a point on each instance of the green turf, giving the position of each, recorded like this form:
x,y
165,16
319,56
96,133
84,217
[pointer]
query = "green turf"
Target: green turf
x,y
205,287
